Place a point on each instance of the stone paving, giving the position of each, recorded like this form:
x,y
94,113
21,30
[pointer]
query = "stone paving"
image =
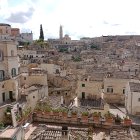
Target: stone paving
x,y
117,111
54,101
31,129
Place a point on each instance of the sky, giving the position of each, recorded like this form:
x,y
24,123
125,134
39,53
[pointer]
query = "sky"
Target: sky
x,y
79,18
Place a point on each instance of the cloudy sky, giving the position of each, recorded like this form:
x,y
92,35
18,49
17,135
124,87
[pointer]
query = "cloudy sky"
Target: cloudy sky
x,y
79,18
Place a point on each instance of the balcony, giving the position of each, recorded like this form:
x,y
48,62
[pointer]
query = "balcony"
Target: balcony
x,y
9,77
4,78
15,76
7,102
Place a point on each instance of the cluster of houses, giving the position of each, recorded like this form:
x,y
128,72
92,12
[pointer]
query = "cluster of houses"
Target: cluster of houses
x,y
81,72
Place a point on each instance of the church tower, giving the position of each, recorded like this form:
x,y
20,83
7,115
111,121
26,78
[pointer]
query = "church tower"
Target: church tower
x,y
60,32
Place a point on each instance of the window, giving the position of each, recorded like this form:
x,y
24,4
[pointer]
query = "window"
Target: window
x,y
2,86
14,138
123,91
24,78
12,53
83,85
1,75
110,90
13,72
85,79
57,71
33,96
1,56
139,99
0,31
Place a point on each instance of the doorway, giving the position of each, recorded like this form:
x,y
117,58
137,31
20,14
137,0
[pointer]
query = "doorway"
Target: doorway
x,y
11,95
83,95
3,96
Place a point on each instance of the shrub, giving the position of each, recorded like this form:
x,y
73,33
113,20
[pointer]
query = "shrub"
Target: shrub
x,y
1,125
85,113
56,110
8,109
96,114
126,118
73,112
64,110
18,117
109,115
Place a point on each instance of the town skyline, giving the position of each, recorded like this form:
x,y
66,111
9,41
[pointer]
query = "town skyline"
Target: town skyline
x,y
69,89
79,18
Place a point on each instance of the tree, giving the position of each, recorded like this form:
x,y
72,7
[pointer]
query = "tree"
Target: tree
x,y
41,37
42,44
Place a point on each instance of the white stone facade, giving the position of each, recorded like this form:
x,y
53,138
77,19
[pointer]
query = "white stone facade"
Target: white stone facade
x,y
132,97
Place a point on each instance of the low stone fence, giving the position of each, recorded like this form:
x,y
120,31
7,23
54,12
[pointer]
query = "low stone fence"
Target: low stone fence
x,y
75,120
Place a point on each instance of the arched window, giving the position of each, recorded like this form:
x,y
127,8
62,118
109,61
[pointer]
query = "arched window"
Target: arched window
x,y
12,52
1,75
57,71
1,55
13,72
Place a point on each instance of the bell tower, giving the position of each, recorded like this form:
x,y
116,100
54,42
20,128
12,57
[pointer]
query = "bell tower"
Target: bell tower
x,y
61,32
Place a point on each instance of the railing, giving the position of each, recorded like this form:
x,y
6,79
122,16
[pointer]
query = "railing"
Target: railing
x,y
7,102
5,78
10,77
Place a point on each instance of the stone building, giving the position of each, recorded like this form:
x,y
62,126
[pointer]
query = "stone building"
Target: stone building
x,y
9,75
5,31
88,88
15,32
34,86
132,97
114,90
26,37
8,33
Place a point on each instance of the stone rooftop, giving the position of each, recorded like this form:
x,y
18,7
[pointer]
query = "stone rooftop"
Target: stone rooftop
x,y
121,75
46,132
51,132
94,103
